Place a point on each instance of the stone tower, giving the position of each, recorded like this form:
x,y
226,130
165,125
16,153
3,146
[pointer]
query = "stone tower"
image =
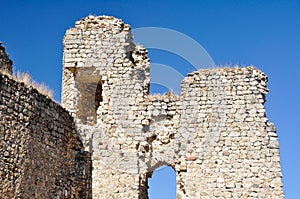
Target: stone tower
x,y
215,135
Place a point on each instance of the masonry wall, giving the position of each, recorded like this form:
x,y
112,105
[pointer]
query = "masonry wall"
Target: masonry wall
x,y
114,134
5,62
99,50
234,148
215,135
41,153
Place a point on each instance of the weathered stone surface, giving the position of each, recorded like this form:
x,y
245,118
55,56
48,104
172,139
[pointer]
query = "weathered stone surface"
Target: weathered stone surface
x,y
215,135
41,152
5,62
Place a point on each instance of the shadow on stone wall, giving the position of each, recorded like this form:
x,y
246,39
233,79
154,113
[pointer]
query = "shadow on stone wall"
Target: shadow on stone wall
x,y
41,154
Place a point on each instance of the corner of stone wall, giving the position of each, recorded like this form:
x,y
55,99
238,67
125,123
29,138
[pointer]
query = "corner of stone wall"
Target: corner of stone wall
x,y
5,62
42,155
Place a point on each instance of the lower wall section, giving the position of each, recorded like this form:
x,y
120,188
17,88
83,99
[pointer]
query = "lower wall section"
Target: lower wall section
x,y
41,153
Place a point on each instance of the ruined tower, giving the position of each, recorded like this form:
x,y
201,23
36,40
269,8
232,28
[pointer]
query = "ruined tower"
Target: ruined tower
x,y
215,135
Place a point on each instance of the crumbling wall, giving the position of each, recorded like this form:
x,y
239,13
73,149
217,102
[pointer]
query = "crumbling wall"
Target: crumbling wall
x,y
99,50
41,153
5,62
234,150
215,135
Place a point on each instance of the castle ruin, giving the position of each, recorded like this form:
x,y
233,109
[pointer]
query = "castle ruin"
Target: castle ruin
x,y
110,134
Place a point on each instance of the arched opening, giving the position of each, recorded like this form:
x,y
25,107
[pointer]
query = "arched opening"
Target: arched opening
x,y
162,183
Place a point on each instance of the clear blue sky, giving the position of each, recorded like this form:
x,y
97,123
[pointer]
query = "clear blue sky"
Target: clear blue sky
x,y
265,34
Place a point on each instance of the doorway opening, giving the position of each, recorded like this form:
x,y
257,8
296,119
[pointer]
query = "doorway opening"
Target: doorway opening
x,y
162,183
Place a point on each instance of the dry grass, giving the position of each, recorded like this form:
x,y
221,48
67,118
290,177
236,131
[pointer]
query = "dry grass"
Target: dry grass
x,y
27,79
41,87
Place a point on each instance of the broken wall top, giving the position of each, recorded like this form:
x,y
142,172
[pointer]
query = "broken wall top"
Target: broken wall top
x,y
5,62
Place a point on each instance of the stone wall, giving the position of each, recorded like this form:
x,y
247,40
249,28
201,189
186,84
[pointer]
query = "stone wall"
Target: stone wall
x,y
5,62
99,53
234,148
215,135
41,154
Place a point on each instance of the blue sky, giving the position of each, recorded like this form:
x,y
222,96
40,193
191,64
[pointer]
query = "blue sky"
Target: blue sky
x,y
265,34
